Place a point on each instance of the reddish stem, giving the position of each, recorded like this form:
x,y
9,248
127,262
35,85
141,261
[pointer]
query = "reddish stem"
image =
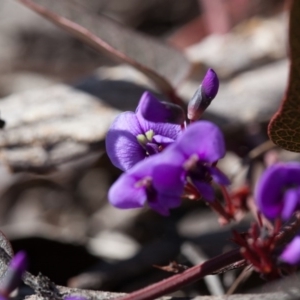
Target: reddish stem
x,y
227,200
176,282
217,207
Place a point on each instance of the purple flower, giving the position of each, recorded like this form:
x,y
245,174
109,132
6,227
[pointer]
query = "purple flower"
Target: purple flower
x,y
14,273
131,138
201,145
291,253
160,179
202,98
157,180
278,191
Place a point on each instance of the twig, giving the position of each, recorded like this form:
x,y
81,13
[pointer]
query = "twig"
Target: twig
x,y
220,262
196,256
176,282
241,278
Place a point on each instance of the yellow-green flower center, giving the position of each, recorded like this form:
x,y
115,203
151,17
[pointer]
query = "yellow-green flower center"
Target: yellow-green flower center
x,y
143,139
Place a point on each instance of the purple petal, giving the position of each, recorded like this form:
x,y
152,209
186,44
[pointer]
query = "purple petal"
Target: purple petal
x,y
272,184
74,297
218,176
14,273
156,111
19,262
152,109
152,148
159,206
164,203
164,129
168,178
203,96
210,84
122,146
170,200
159,139
290,203
125,194
205,189
197,105
204,139
291,254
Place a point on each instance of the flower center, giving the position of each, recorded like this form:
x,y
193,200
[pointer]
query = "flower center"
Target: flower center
x,y
147,142
196,169
146,182
146,138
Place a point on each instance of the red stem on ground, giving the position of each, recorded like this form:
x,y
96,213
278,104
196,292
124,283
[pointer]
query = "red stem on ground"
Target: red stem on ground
x,y
176,282
195,273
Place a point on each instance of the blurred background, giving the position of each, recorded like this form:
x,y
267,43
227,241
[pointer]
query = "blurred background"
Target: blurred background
x,y
58,99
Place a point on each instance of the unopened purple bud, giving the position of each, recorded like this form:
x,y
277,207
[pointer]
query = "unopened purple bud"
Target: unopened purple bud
x,y
14,273
203,96
210,84
19,262
157,111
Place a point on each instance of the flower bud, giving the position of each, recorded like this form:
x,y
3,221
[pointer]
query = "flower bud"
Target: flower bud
x,y
203,96
14,273
157,111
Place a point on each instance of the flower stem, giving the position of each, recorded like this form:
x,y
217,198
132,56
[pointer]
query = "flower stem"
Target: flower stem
x,y
195,273
176,282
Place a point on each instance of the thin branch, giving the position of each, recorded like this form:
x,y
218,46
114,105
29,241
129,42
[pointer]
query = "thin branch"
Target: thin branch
x,y
193,274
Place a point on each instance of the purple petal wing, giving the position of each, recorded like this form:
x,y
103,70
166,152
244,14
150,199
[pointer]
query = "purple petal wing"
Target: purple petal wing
x,y
218,176
163,204
156,111
210,84
268,192
290,203
291,254
272,184
152,109
159,207
159,139
205,189
165,129
124,193
204,139
127,192
122,146
168,178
